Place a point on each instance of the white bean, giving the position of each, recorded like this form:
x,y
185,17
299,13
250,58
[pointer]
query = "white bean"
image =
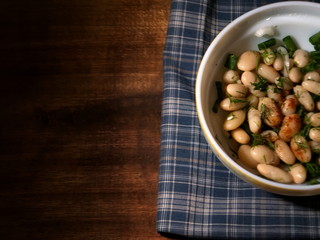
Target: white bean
x,y
284,83
298,173
312,86
315,120
237,90
304,98
274,173
295,75
301,58
240,135
284,152
270,136
248,60
234,104
289,105
291,63
244,156
231,76
300,148
268,56
254,120
248,78
274,93
290,126
315,146
234,120
270,112
314,134
263,154
276,160
253,101
278,63
285,92
313,76
318,105
268,72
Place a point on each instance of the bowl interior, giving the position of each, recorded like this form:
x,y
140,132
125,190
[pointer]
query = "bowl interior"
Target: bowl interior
x,y
298,19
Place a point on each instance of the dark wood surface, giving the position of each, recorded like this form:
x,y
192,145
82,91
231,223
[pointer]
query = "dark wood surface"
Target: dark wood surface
x,y
80,95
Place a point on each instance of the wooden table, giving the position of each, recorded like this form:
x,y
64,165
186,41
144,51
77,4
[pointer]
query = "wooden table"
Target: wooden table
x,y
81,85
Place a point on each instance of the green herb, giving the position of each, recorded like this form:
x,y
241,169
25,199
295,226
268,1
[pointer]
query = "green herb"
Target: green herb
x,y
259,140
276,90
304,132
245,126
231,62
315,97
280,82
236,100
220,97
301,111
290,45
313,181
243,93
271,145
301,145
276,129
261,85
264,111
267,44
313,169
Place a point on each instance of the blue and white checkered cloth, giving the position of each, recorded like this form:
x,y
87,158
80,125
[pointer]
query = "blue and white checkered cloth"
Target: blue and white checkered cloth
x,y
198,196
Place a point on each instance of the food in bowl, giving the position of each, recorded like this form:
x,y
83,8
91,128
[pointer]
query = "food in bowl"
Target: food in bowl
x,y
273,100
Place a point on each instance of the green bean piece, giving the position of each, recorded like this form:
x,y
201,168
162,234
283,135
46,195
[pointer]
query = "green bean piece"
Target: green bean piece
x,y
266,44
220,97
231,62
315,39
290,45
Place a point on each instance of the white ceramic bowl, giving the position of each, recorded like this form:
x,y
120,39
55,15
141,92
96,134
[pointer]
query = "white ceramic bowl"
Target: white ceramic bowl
x,y
295,18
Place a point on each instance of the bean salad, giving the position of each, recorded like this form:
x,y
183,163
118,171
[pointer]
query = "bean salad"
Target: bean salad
x,y
272,96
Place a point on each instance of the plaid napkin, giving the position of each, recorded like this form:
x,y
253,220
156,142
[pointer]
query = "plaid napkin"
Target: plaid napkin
x,y
198,196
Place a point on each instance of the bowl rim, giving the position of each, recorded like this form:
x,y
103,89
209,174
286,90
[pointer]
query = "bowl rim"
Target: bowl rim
x,y
219,152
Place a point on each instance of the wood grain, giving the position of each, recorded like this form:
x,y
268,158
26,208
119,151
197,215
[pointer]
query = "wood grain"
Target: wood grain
x,y
80,99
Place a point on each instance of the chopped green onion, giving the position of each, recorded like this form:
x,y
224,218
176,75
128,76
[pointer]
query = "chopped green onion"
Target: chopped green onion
x,y
231,62
220,97
266,44
315,39
285,56
290,45
268,56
